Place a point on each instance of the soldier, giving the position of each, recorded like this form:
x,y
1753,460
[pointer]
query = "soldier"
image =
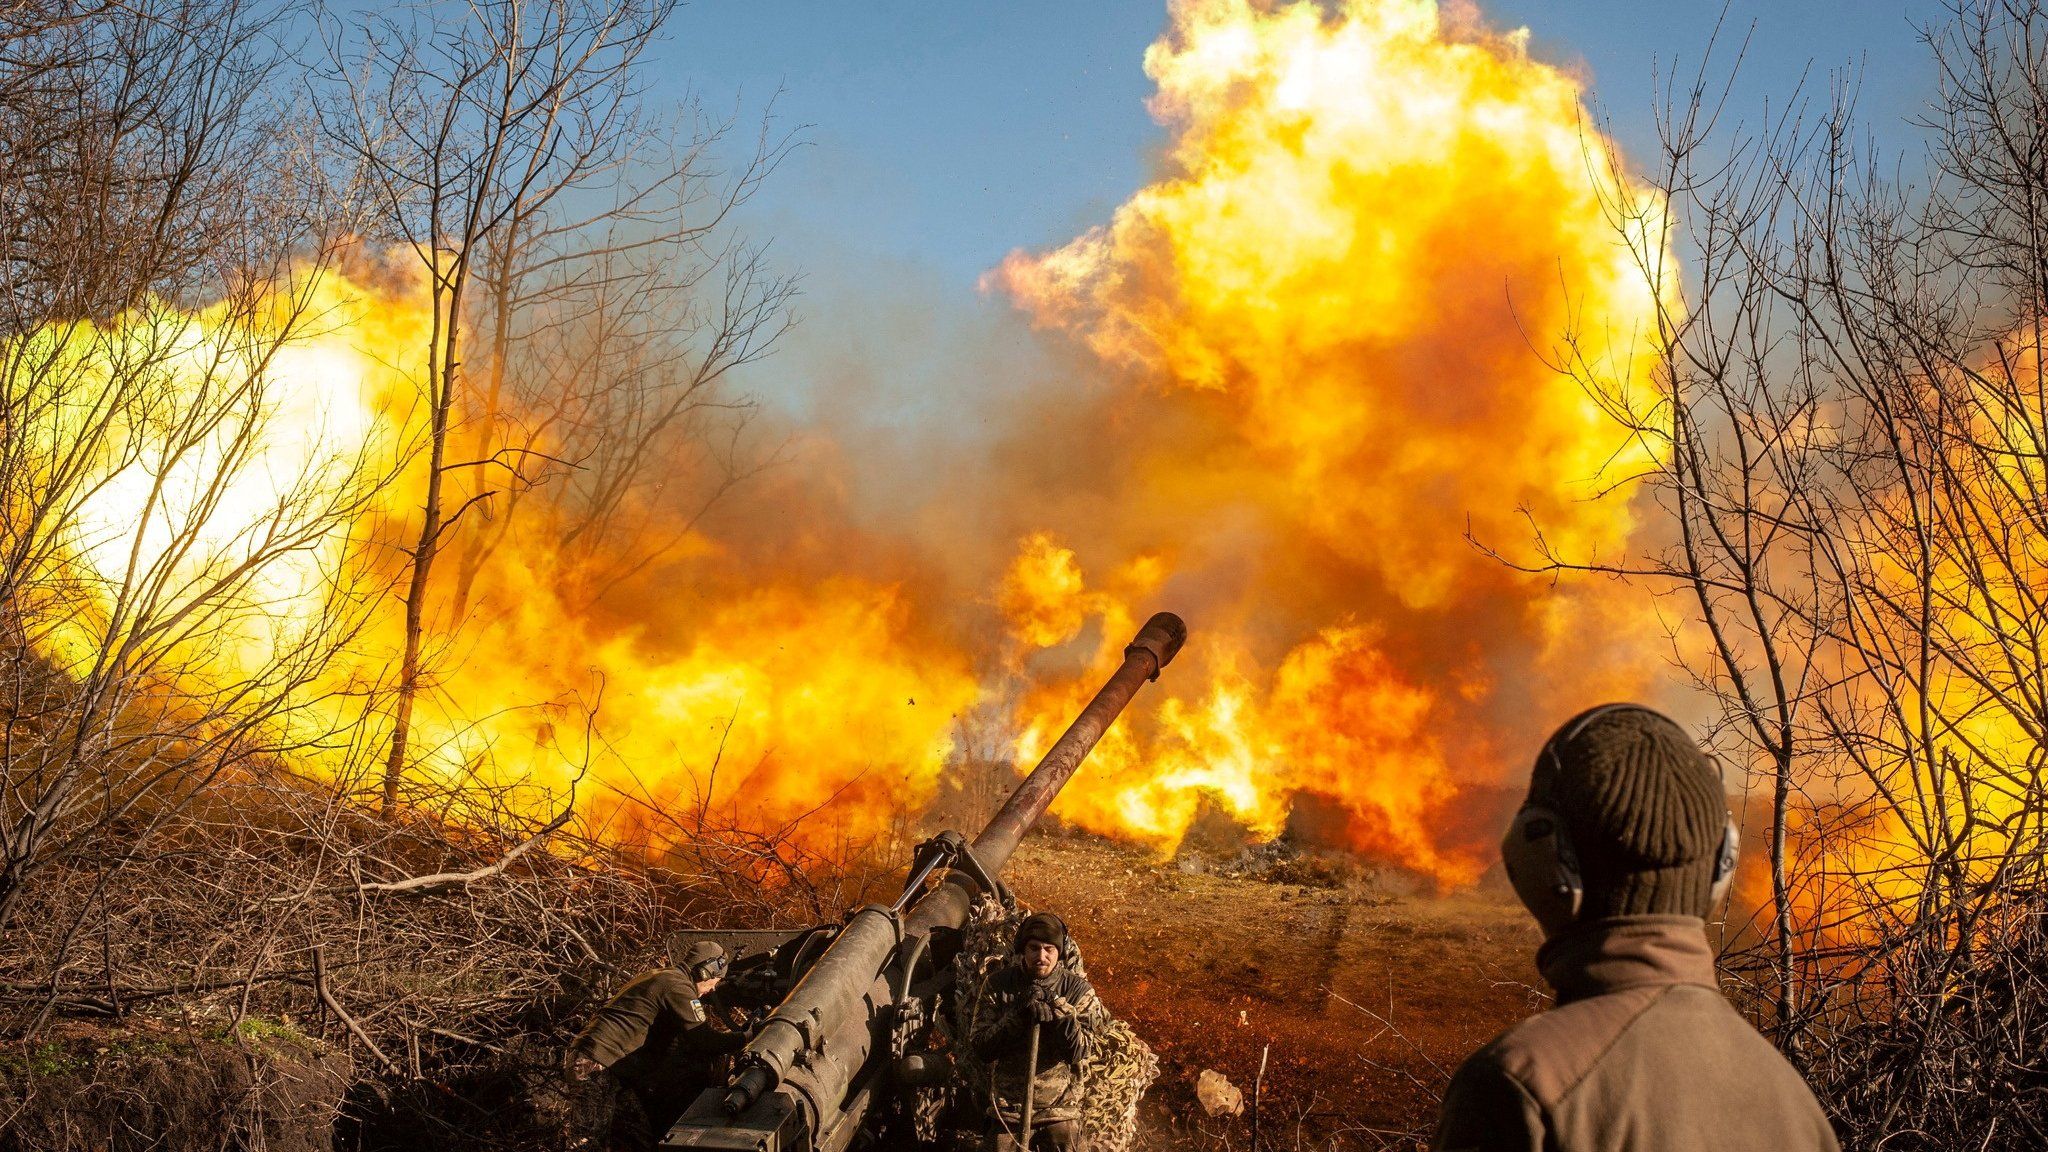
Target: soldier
x,y
1039,992
1622,846
656,1038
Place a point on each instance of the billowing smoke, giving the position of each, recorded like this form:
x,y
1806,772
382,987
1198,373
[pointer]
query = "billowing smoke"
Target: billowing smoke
x,y
1332,328
1288,379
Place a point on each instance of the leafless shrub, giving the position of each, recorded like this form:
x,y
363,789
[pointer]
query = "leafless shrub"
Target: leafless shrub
x,y
163,853
127,421
427,951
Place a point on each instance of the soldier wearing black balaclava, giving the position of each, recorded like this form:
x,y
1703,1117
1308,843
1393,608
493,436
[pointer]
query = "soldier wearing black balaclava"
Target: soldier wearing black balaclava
x,y
1039,990
1621,849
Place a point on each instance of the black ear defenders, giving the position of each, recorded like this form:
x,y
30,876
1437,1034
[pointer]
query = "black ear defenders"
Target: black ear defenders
x,y
1543,866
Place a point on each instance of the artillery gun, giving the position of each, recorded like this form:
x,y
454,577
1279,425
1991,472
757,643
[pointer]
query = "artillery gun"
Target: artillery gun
x,y
836,1051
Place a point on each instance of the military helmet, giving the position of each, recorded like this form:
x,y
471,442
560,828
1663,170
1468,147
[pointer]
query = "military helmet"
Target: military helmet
x,y
704,960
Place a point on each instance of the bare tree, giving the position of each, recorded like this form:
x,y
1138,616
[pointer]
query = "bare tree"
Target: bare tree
x,y
123,126
471,119
610,336
144,517
1728,434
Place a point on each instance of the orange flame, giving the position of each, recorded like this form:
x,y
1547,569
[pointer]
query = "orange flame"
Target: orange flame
x,y
1363,217
1335,721
753,710
1327,307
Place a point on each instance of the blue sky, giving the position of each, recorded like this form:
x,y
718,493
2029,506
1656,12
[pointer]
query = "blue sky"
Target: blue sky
x,y
943,134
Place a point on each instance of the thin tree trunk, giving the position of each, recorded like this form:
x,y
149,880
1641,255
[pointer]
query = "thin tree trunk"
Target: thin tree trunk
x,y
499,283
444,377
1781,899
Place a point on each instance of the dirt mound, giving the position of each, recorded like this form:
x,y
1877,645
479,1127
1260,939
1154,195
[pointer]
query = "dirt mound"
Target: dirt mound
x,y
163,1087
1361,992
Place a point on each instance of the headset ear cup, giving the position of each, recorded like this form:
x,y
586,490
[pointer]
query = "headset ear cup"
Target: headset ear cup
x,y
1542,867
1725,860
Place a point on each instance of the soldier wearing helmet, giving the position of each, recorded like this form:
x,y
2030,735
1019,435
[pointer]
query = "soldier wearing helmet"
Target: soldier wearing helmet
x,y
1621,849
656,1038
1042,991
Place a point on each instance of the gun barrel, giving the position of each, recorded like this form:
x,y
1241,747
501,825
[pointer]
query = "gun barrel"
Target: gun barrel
x,y
811,1049
1155,646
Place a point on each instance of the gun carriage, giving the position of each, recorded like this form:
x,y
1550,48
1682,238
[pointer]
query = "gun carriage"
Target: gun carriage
x,y
850,1039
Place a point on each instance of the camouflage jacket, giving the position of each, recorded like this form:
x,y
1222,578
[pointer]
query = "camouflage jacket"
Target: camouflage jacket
x,y
1002,1036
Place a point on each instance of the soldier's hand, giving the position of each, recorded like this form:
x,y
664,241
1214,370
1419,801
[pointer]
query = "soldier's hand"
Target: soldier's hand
x,y
1043,1008
581,1067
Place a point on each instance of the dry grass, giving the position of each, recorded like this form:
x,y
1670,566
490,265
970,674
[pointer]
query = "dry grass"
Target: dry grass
x,y
440,965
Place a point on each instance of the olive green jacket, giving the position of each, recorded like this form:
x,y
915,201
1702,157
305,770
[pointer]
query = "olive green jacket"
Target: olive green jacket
x,y
1641,1053
656,1038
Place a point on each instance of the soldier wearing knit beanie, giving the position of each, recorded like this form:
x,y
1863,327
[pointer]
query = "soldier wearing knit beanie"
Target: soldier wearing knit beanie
x,y
1616,852
1040,928
1036,1004
1642,806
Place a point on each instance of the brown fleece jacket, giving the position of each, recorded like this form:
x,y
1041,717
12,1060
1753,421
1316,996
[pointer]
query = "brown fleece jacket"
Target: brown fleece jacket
x,y
1641,1053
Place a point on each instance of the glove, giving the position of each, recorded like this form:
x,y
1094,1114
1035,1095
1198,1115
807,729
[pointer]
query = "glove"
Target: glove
x,y
1043,1007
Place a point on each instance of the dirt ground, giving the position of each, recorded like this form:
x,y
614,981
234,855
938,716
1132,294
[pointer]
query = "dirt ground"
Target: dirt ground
x,y
1364,990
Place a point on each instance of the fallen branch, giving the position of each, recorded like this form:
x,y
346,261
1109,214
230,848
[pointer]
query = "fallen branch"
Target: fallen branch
x,y
439,881
459,1037
442,881
333,1005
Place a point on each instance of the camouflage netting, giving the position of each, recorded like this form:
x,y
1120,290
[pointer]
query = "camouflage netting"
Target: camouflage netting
x,y
1119,1067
